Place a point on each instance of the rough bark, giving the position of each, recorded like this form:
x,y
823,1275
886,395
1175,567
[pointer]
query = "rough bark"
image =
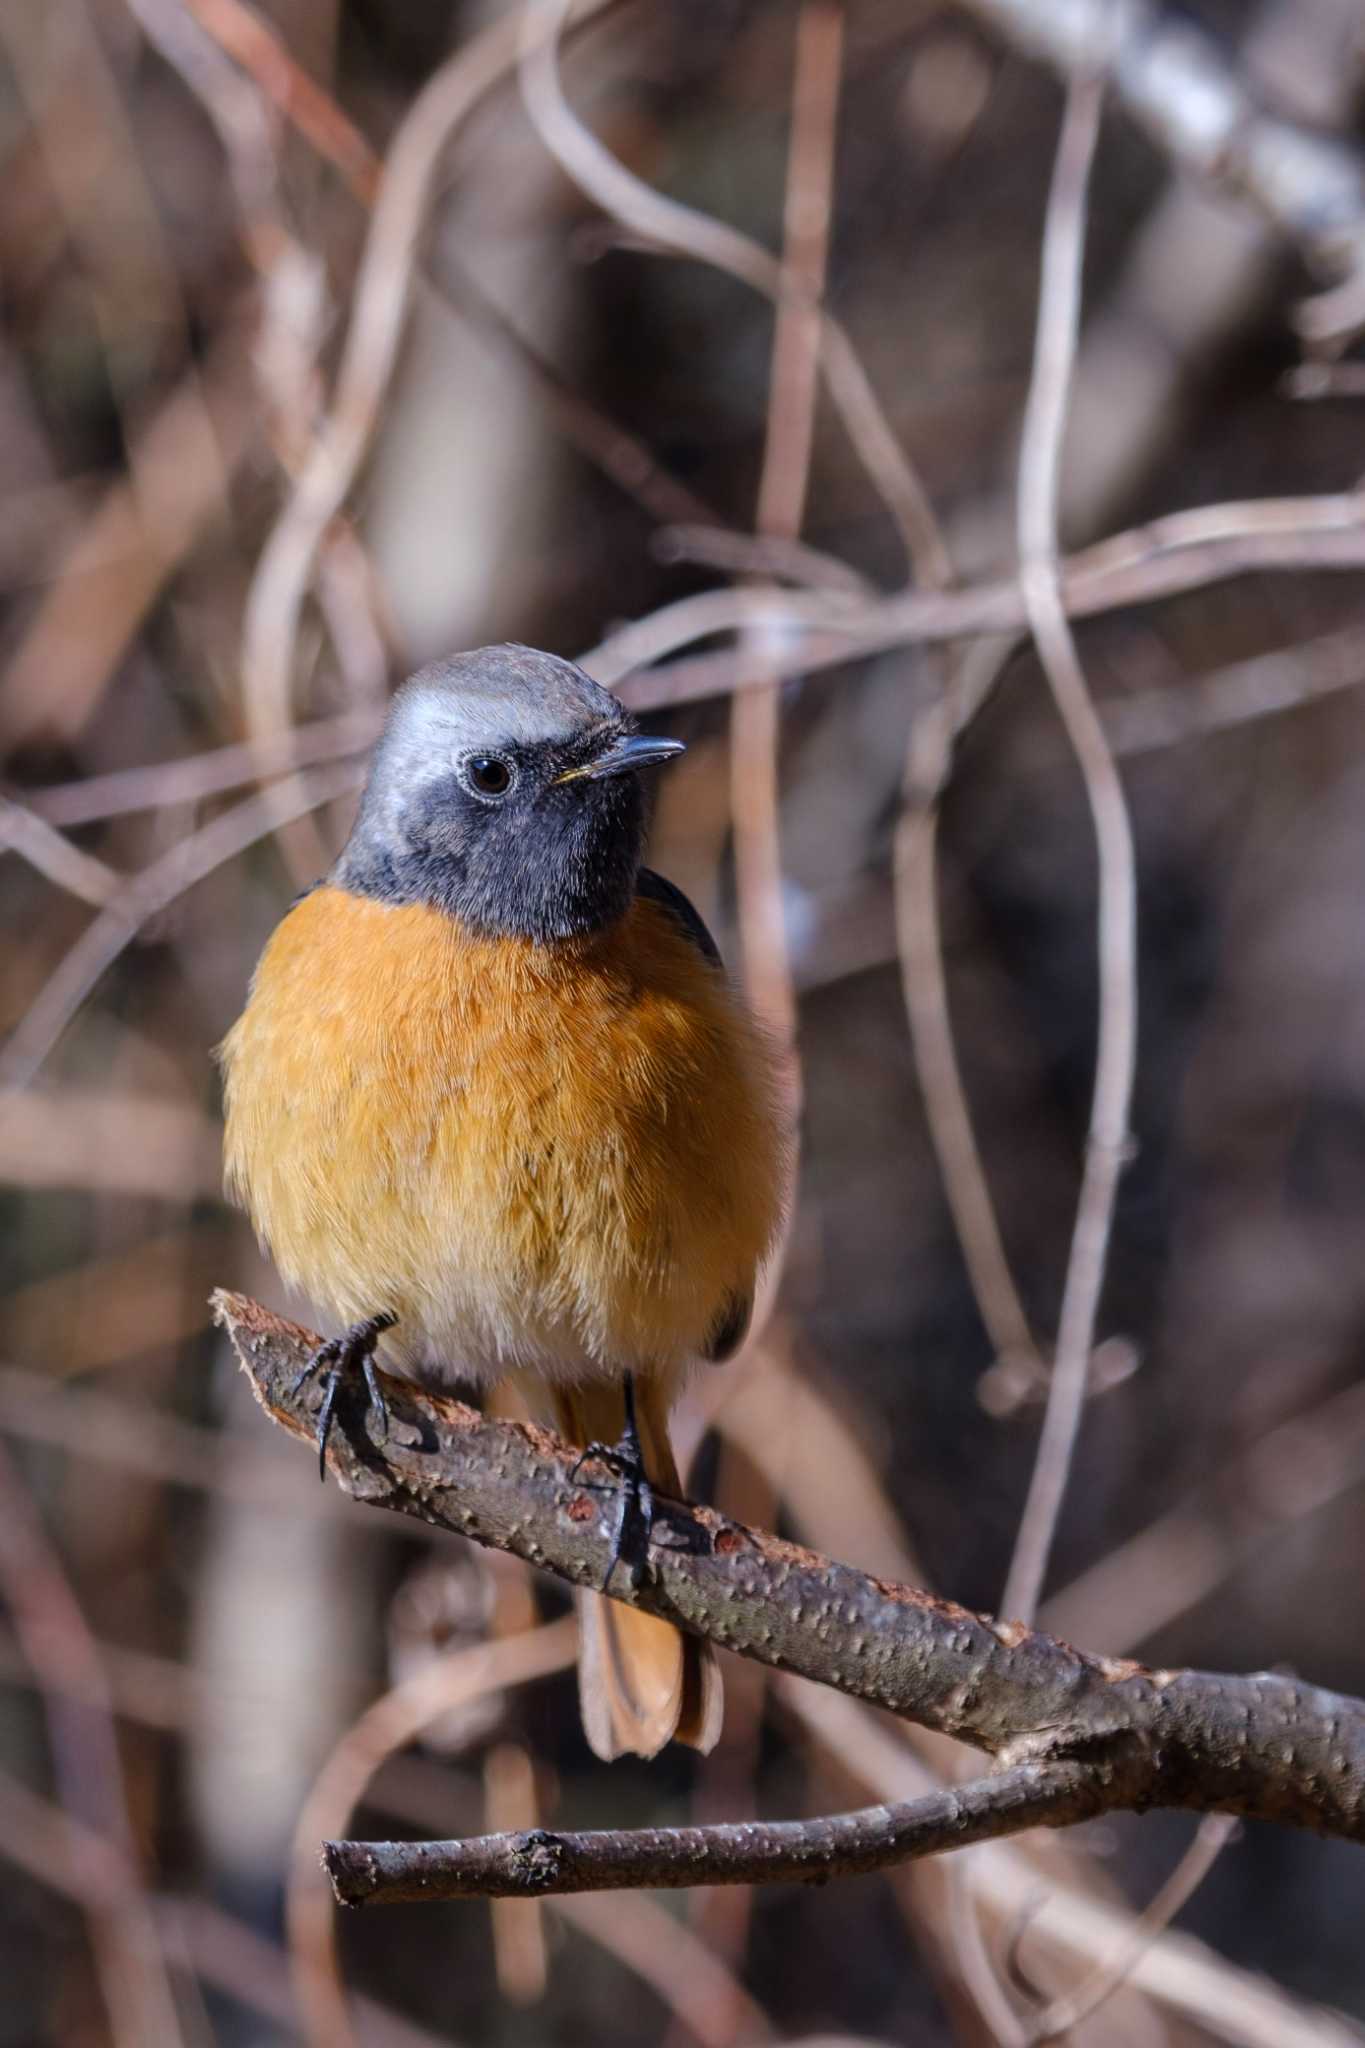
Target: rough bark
x,y
1070,1733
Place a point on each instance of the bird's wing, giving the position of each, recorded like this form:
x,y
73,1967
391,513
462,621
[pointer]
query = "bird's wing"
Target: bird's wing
x,y
733,1320
658,889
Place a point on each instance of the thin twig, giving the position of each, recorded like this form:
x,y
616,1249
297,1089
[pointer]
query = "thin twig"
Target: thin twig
x,y
160,784
1185,1554
929,757
1182,551
1174,78
761,554
1211,1837
1177,1971
610,1859
1108,1141
285,570
158,886
681,230
53,855
394,1720
62,1653
755,714
1131,568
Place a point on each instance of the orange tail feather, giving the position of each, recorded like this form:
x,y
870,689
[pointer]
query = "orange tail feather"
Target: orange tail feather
x,y
641,1682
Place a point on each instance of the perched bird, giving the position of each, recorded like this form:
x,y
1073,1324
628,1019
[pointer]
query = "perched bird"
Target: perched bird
x,y
494,1105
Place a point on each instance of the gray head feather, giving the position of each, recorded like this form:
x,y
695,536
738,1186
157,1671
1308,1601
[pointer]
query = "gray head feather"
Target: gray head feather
x,y
542,859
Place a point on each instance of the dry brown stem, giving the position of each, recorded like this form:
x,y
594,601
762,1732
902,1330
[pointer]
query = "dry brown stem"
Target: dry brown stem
x,y
1107,1141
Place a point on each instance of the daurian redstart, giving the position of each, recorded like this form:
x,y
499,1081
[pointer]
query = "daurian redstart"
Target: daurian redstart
x,y
494,1105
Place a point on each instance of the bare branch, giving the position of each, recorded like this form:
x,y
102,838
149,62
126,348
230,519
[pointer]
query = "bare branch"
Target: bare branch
x,y
1059,307
751,1852
145,894
285,571
1182,551
1179,83
681,230
793,387
53,855
924,983
65,1660
1266,1746
1061,2018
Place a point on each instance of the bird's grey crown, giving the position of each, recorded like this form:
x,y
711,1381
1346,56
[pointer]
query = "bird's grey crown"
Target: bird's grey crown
x,y
509,695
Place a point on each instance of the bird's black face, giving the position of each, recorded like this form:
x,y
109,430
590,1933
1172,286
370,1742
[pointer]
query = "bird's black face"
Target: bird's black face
x,y
505,792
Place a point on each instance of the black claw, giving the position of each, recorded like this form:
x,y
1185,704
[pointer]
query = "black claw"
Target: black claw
x,y
325,1414
635,1509
338,1357
377,1401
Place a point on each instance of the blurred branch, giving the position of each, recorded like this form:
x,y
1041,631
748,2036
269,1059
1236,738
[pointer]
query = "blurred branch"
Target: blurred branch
x,y
760,554
264,55
53,855
392,1721
1179,1559
72,1860
126,1143
239,112
1181,551
1276,681
1068,1918
681,230
784,481
158,886
1180,84
1107,1140
285,571
924,983
196,776
683,1970
1073,1734
65,1660
1064,2015
118,563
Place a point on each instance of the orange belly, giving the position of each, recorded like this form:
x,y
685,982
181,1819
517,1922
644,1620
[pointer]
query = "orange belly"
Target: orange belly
x,y
560,1158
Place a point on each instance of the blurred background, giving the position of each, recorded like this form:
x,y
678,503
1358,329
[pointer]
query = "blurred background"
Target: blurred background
x,y
208,1662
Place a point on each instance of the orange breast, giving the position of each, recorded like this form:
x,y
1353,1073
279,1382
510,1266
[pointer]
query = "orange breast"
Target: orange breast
x,y
565,1157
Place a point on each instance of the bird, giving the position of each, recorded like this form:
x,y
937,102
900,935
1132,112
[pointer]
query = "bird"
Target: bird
x,y
495,1106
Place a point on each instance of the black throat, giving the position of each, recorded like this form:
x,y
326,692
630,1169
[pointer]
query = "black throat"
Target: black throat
x,y
553,863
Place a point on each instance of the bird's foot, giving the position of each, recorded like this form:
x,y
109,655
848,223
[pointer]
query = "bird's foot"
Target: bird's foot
x,y
337,1359
635,1496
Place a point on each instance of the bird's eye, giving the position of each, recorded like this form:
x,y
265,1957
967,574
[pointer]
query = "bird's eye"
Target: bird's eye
x,y
489,774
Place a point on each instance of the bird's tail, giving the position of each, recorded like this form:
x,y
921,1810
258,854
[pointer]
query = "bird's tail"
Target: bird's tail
x,y
641,1682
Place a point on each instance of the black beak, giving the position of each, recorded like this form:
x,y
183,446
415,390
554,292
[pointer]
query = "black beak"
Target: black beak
x,y
628,751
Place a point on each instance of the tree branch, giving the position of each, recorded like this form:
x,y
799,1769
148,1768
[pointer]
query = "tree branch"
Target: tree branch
x,y
747,1852
1072,1734
1182,86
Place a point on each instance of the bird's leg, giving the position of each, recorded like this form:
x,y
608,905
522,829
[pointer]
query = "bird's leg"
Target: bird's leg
x,y
635,1504
338,1357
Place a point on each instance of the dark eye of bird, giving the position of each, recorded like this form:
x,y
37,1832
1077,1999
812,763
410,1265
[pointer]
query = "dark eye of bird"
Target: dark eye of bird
x,y
489,774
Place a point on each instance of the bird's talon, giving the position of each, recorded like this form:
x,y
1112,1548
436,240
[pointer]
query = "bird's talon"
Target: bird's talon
x,y
635,1514
377,1401
338,1357
616,1459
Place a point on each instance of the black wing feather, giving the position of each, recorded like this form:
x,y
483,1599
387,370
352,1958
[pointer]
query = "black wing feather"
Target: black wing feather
x,y
733,1320
658,889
